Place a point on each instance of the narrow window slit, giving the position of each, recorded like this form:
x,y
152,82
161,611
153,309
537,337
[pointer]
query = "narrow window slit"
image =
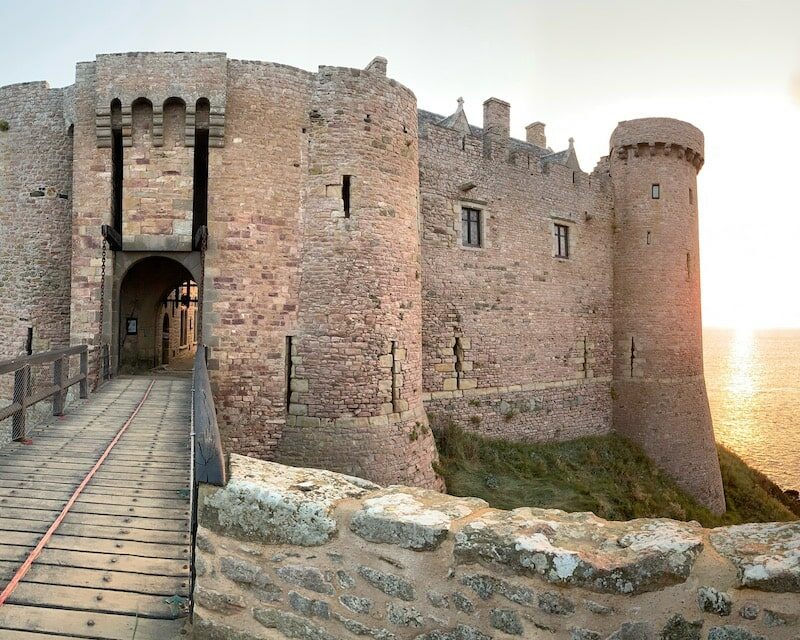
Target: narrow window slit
x,y
688,266
633,355
458,352
395,379
585,364
289,372
648,237
346,195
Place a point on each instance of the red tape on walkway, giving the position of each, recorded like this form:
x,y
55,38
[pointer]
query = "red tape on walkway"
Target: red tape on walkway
x,y
20,574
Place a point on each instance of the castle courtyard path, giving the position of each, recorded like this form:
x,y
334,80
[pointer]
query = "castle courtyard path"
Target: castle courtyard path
x,y
118,566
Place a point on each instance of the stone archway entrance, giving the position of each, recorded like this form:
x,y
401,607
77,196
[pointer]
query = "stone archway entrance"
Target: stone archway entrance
x,y
157,312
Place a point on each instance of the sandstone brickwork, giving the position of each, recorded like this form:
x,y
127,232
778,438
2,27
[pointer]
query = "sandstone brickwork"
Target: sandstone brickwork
x,y
299,553
660,395
533,331
35,218
341,297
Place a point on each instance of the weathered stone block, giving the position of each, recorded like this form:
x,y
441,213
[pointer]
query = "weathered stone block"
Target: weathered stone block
x,y
265,502
390,584
766,555
416,519
570,548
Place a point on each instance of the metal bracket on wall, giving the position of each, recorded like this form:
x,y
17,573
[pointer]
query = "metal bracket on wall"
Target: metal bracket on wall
x,y
112,236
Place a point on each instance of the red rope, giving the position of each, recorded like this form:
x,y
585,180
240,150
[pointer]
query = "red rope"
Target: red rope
x,y
20,574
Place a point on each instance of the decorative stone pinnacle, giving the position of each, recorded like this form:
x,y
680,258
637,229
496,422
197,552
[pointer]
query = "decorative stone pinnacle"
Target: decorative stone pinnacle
x,y
460,102
571,143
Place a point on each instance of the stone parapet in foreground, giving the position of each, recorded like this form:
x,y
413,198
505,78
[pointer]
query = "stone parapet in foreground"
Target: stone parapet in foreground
x,y
285,552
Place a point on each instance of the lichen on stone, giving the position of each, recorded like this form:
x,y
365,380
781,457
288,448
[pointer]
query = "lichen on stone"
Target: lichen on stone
x,y
767,556
582,549
411,518
269,503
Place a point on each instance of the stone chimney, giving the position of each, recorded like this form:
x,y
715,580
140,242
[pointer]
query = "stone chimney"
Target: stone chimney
x,y
496,126
496,119
534,134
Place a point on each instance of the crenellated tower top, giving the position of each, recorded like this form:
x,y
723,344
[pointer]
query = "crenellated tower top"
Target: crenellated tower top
x,y
658,136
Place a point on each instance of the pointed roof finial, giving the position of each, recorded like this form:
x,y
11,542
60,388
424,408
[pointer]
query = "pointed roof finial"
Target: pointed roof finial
x,y
572,143
460,102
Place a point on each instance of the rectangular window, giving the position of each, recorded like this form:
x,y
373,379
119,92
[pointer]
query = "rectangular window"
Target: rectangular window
x,y
562,240
346,195
655,191
470,227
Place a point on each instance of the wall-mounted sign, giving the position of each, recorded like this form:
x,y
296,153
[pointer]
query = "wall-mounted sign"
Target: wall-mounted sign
x,y
131,326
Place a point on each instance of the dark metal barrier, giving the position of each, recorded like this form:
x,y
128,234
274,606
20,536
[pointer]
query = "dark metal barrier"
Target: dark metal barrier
x,y
26,394
208,461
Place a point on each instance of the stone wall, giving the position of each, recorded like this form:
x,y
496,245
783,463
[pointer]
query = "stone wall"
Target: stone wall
x,y
251,300
533,329
296,553
35,218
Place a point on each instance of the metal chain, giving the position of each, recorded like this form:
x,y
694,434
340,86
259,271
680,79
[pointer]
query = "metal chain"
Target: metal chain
x,y
100,363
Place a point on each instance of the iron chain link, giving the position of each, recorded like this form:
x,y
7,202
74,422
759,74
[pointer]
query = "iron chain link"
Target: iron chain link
x,y
100,357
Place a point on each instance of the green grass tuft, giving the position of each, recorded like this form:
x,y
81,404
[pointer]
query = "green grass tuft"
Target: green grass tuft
x,y
607,475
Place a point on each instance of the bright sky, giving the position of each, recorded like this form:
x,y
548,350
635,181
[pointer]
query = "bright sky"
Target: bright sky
x,y
731,67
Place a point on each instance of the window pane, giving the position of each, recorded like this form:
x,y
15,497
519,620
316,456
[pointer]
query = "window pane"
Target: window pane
x,y
470,227
562,240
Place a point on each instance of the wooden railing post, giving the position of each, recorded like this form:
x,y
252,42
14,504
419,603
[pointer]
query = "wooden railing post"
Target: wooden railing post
x,y
22,381
60,367
84,383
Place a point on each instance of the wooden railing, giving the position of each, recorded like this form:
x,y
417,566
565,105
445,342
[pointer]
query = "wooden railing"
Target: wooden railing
x,y
25,395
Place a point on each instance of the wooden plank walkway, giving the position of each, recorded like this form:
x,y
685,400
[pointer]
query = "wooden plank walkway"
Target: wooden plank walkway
x,y
119,563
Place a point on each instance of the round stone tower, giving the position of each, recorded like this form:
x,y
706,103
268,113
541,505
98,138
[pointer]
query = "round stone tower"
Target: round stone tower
x,y
355,376
35,219
660,398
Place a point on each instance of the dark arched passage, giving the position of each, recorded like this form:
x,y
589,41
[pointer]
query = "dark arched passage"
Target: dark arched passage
x,y
157,315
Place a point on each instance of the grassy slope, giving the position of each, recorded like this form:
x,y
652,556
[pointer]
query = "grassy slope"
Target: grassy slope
x,y
607,475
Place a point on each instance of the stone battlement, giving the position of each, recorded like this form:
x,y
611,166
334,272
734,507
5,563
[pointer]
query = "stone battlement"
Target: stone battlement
x,y
317,555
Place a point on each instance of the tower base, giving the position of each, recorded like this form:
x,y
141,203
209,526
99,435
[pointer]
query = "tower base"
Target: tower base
x,y
671,421
380,449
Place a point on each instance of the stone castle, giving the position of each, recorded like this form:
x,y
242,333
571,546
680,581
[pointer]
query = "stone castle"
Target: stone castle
x,y
355,264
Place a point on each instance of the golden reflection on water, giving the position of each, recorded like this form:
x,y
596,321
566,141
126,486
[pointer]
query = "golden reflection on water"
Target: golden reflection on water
x,y
740,390
753,381
741,383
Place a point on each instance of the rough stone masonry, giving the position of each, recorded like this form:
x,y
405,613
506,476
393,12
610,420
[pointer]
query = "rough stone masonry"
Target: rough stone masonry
x,y
312,555
369,265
